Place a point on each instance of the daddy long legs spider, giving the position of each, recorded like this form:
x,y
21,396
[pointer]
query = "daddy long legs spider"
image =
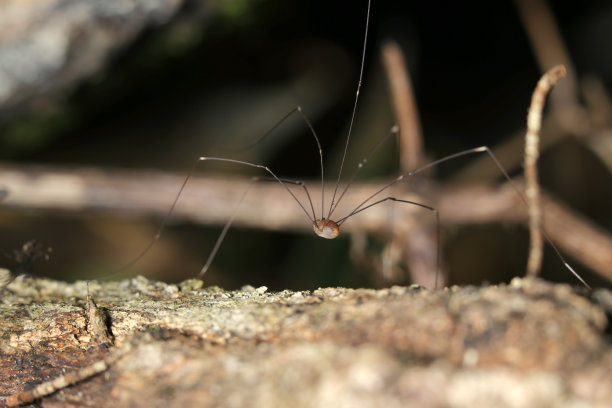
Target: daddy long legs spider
x,y
228,246
327,222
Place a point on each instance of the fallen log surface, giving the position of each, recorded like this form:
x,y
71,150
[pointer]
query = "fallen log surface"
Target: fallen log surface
x,y
140,343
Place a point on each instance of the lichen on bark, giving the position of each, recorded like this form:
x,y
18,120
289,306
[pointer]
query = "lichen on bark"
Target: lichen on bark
x,y
529,343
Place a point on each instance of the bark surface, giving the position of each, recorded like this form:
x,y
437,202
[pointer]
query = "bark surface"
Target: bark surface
x,y
150,344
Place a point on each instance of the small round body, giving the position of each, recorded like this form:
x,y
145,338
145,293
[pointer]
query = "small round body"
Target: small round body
x,y
326,228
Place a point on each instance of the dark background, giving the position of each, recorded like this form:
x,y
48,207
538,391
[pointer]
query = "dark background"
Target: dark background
x,y
163,102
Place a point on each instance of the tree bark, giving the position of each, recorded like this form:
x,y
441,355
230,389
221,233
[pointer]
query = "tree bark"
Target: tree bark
x,y
529,343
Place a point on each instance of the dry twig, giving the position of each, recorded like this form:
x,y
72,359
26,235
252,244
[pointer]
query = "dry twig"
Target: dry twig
x,y
419,245
567,116
65,380
139,194
548,46
404,107
532,139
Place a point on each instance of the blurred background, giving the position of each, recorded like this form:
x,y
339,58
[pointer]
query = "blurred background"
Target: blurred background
x,y
156,84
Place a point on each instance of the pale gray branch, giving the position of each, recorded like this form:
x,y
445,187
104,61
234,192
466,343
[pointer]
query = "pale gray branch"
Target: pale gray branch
x,y
210,200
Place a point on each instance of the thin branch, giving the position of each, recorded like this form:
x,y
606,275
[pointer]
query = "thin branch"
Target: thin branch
x,y
532,152
209,200
567,116
418,245
66,380
548,46
404,107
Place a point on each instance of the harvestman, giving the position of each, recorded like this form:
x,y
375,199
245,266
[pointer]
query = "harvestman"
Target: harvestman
x,y
325,225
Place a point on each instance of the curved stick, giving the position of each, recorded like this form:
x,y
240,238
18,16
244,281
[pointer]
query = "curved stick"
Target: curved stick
x,y
480,149
532,152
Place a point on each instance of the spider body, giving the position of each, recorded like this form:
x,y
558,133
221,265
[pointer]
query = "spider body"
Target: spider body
x,y
325,228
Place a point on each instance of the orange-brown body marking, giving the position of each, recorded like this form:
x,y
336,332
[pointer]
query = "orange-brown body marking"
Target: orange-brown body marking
x,y
326,228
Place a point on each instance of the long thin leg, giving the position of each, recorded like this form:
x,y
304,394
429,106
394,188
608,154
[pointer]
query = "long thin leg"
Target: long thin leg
x,y
394,131
180,192
419,170
342,220
226,227
297,109
296,183
481,149
229,222
259,166
350,131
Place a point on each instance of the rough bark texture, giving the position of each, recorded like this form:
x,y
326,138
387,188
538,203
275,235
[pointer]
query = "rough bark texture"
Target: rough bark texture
x,y
529,343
